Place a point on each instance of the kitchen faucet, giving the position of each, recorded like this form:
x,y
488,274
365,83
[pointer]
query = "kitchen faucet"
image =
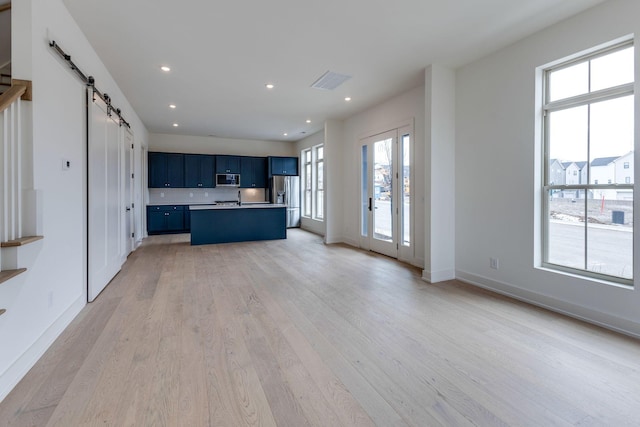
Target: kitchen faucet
x,y
239,198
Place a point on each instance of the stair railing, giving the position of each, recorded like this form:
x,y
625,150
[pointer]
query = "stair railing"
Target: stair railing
x,y
11,143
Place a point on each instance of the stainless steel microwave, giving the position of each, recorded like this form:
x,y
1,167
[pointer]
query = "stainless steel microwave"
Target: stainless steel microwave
x,y
227,180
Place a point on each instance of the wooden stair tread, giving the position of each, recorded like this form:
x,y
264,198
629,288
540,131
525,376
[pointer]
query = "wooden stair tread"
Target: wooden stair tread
x,y
9,274
21,241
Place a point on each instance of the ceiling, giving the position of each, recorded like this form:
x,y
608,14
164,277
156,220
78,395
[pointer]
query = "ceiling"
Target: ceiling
x,y
222,53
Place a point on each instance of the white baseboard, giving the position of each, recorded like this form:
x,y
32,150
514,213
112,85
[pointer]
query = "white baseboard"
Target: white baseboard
x,y
586,314
438,276
333,239
418,262
351,242
18,369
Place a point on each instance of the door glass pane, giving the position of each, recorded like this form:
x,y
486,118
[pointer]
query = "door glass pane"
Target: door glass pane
x,y
565,234
382,212
406,190
364,191
610,233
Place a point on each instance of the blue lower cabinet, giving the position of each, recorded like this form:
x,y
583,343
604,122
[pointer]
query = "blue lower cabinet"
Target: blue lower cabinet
x,y
187,219
166,219
237,225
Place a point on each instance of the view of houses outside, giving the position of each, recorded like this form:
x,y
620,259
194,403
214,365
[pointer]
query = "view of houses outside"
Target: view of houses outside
x,y
609,216
383,187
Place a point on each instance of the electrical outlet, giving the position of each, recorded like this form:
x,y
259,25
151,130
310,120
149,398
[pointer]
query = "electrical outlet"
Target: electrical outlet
x,y
494,263
161,194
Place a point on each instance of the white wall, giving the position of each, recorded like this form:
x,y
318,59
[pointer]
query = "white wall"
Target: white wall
x,y
311,224
53,290
212,145
408,107
497,170
439,161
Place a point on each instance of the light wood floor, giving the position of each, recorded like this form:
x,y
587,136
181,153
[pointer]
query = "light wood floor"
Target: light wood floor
x,y
296,333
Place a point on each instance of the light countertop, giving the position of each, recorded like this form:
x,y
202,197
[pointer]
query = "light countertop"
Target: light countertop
x,y
247,205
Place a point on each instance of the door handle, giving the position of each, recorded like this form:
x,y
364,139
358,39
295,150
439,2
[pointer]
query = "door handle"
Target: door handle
x,y
369,204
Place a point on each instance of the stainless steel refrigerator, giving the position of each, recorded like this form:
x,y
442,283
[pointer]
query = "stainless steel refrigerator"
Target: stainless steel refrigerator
x,y
286,190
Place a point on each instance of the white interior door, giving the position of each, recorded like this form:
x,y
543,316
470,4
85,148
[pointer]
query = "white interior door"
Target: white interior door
x,y
104,198
128,223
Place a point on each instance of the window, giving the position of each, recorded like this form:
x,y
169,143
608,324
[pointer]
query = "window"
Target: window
x,y
589,119
306,182
313,182
318,207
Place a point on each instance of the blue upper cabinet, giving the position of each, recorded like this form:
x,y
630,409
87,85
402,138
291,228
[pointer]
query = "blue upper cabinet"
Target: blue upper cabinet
x,y
228,164
283,166
253,172
199,171
166,170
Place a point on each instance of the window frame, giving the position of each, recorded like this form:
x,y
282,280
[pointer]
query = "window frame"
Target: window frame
x,y
549,107
311,167
306,210
318,164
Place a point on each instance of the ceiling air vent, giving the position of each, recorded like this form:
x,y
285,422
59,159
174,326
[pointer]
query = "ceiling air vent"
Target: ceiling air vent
x,y
330,81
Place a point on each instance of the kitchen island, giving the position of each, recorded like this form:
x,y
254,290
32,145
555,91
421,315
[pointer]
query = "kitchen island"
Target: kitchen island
x,y
237,223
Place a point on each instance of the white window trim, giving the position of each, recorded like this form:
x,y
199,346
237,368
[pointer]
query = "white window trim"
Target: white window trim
x,y
303,186
313,162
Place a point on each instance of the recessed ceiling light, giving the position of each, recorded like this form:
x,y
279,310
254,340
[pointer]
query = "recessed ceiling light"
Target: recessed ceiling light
x,y
308,120
286,134
172,105
269,86
348,98
165,68
175,125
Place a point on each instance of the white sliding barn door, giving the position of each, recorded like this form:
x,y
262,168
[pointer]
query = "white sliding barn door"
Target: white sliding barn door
x,y
104,222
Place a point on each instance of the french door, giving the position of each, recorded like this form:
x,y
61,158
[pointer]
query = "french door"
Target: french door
x,y
385,209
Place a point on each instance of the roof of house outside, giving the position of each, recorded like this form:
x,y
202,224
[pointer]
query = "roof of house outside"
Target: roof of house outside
x,y
581,164
603,161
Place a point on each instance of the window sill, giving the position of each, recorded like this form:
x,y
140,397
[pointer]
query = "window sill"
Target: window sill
x,y
555,270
